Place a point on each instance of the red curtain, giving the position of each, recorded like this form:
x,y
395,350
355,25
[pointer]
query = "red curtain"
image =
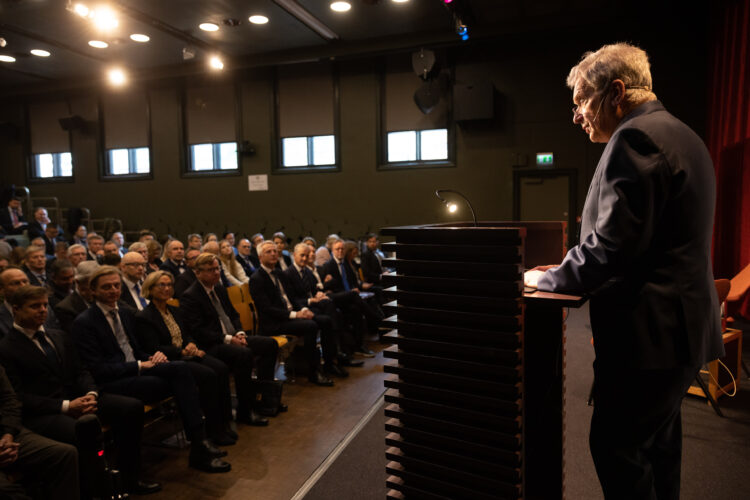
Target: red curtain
x,y
728,134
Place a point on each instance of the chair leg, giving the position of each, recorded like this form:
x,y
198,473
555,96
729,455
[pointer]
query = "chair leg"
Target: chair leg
x,y
710,398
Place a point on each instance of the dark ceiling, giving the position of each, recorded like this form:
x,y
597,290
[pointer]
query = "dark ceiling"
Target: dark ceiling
x,y
371,26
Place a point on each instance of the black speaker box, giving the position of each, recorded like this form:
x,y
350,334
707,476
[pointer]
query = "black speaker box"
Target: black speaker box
x,y
473,101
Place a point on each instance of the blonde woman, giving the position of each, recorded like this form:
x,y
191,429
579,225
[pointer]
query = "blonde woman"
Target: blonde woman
x,y
232,269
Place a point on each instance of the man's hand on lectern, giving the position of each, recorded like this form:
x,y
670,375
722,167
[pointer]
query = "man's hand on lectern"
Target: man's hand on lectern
x,y
531,277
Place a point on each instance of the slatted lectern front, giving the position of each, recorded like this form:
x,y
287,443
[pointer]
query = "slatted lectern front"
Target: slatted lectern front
x,y
475,385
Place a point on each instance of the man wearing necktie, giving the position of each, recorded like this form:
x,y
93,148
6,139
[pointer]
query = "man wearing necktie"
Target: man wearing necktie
x,y
133,268
35,265
12,219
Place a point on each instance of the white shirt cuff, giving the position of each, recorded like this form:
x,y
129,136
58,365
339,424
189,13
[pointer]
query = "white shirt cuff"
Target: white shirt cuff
x,y
65,405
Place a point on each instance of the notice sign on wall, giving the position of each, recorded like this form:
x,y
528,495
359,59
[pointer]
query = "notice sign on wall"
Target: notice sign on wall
x,y
257,182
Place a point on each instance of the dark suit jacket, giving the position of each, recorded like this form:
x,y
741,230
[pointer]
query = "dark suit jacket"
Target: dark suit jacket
x,y
201,318
272,311
336,284
299,288
10,407
168,265
644,251
183,282
98,347
68,309
246,264
6,320
40,384
35,230
7,223
153,334
33,280
371,268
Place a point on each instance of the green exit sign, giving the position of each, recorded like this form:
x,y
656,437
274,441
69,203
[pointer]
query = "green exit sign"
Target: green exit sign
x,y
544,159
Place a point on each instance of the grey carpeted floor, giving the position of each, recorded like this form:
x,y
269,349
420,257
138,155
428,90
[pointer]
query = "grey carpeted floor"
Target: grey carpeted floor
x,y
716,451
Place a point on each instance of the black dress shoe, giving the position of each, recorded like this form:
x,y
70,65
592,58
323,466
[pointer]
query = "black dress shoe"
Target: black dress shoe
x,y
144,487
208,463
318,378
207,448
351,363
335,370
230,432
283,408
252,419
364,351
223,439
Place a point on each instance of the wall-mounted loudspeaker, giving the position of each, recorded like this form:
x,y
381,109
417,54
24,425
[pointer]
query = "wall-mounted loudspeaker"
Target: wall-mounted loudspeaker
x,y
473,101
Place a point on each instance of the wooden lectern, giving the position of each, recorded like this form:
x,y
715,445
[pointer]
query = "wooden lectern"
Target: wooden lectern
x,y
474,398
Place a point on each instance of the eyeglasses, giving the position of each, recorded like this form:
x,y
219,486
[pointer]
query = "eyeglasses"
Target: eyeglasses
x,y
164,285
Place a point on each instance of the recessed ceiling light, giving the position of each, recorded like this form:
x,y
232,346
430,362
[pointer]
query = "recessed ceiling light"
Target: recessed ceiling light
x,y
399,1
40,52
258,19
209,27
216,63
5,58
81,10
117,76
104,18
341,6
139,37
98,44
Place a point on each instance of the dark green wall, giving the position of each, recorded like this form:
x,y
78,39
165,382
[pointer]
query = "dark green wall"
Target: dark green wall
x,y
528,71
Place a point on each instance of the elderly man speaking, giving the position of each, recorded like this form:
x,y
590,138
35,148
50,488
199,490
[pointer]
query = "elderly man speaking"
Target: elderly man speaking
x,y
644,258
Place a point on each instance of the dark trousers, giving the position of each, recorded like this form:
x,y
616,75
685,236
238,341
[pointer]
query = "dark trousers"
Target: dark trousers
x,y
358,313
265,352
308,330
212,378
50,465
636,431
123,414
167,379
327,319
239,360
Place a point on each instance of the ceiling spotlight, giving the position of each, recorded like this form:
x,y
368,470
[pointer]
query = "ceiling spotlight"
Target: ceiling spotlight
x,y
400,1
98,44
105,18
209,27
139,37
216,63
79,9
4,58
117,77
258,19
40,52
341,6
3,42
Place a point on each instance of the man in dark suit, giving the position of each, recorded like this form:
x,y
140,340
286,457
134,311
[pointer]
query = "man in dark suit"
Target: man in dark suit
x,y
133,268
42,461
372,270
277,314
175,258
95,246
11,279
303,292
11,218
35,265
104,336
644,256
56,392
244,249
340,282
216,327
61,281
184,280
81,299
37,227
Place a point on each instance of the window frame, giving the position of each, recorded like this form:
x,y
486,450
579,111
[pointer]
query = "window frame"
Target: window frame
x,y
277,146
104,152
215,157
382,133
186,151
29,156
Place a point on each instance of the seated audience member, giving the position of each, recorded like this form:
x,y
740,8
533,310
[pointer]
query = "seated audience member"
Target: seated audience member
x,y
351,252
161,328
51,239
145,235
79,236
39,242
111,248
17,256
12,219
243,256
372,268
61,279
95,244
61,250
229,236
46,464
215,325
119,239
195,241
340,279
184,280
174,258
57,393
38,226
154,252
76,254
285,260
232,269
323,254
210,237
111,260
11,279
309,240
277,314
105,337
139,247
255,240
133,268
213,248
35,265
303,293
82,297
5,248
